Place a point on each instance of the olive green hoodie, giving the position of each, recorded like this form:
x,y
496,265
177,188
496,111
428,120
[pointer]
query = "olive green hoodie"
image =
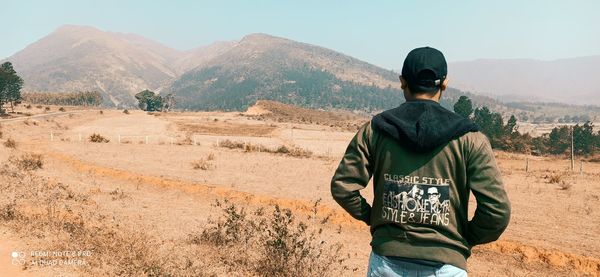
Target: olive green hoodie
x,y
424,161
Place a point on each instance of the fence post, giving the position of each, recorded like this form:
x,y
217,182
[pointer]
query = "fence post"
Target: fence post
x,y
146,139
581,168
79,137
527,164
51,136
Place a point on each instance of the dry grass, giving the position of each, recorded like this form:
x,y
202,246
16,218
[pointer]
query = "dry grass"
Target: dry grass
x,y
283,244
10,143
291,151
27,161
225,128
202,164
65,220
279,112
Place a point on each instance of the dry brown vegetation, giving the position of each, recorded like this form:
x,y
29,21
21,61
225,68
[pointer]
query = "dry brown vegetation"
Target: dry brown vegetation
x,y
66,219
282,245
10,143
279,112
225,128
28,161
291,151
98,138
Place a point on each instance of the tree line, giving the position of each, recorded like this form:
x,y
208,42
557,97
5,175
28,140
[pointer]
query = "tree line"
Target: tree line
x,y
83,98
507,136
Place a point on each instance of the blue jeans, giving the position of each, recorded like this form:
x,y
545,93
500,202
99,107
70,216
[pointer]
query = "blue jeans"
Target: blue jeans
x,y
381,266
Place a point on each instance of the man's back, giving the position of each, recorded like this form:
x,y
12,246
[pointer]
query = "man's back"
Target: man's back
x,y
424,161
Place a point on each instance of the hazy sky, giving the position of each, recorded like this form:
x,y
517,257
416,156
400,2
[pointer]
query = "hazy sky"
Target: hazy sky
x,y
379,32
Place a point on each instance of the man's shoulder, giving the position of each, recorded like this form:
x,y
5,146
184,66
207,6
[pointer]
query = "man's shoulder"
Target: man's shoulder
x,y
474,140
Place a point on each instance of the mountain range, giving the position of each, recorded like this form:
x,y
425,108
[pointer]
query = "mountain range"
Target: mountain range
x,y
571,81
232,75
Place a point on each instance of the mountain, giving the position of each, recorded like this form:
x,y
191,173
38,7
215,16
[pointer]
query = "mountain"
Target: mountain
x,y
266,67
80,58
570,81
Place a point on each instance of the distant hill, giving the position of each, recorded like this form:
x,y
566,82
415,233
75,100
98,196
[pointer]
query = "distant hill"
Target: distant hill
x,y
80,58
572,81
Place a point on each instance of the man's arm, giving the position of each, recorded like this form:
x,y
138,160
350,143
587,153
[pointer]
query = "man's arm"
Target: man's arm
x,y
493,207
353,174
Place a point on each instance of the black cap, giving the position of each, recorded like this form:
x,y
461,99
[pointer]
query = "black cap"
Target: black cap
x,y
424,69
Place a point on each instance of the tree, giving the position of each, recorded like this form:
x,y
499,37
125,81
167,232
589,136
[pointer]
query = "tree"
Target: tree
x,y
149,101
10,86
559,140
463,107
511,125
583,138
168,102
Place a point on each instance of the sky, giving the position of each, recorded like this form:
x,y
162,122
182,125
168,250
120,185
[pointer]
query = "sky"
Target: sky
x,y
379,32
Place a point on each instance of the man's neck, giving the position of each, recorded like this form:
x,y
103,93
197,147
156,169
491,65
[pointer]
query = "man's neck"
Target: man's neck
x,y
424,96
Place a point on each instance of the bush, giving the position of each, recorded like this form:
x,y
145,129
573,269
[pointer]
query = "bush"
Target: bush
x,y
47,108
554,179
27,162
28,106
61,109
126,111
98,138
282,245
202,164
10,143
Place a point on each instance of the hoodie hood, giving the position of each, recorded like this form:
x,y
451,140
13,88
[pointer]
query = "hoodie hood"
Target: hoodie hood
x,y
422,125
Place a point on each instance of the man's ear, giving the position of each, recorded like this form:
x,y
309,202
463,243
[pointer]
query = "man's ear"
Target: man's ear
x,y
444,84
403,82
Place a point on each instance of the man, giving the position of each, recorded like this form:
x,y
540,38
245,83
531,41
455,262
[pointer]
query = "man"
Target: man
x,y
420,144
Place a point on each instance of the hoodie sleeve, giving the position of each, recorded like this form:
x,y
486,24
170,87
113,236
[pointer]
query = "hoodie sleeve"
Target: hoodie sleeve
x,y
493,208
353,174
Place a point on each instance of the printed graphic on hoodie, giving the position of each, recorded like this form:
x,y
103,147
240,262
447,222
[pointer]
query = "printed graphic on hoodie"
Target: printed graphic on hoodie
x,y
416,200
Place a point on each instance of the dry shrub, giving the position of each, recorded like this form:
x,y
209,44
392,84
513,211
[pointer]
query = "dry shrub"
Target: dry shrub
x,y
98,138
202,164
126,111
10,143
61,109
282,244
292,151
46,108
564,185
28,106
27,161
554,178
8,211
210,157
